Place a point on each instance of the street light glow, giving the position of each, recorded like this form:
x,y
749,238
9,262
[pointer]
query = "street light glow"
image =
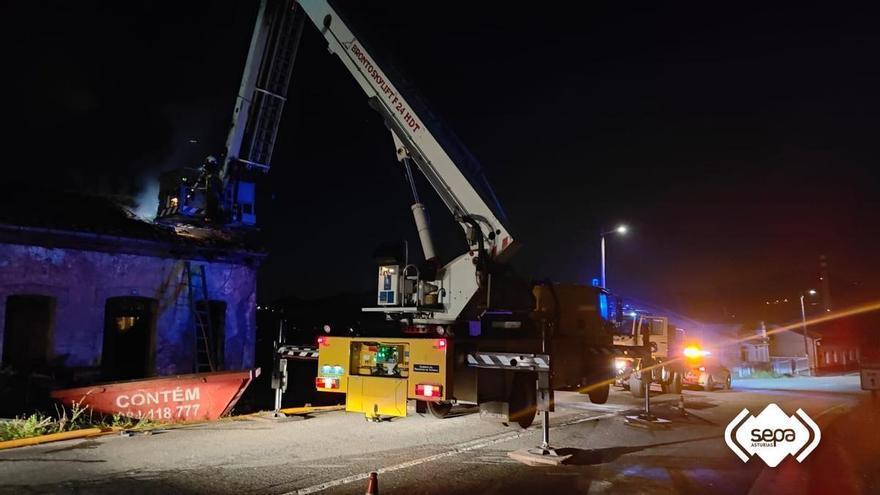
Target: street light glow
x,y
620,229
811,292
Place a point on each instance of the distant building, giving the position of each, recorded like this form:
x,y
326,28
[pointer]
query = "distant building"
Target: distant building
x,y
837,356
789,353
828,348
89,293
755,345
769,349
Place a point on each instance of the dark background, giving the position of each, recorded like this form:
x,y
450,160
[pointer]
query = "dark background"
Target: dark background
x,y
738,143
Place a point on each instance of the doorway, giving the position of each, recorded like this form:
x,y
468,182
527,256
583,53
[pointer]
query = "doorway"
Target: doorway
x,y
27,331
129,330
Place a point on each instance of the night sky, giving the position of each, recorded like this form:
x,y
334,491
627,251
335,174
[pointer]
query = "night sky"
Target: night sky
x,y
739,145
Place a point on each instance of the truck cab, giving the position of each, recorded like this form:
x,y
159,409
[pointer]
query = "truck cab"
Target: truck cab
x,y
665,344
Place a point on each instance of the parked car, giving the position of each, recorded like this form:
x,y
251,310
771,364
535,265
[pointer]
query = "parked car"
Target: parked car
x,y
706,373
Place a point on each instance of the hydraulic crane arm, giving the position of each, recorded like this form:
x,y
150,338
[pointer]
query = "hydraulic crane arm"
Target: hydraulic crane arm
x,y
459,195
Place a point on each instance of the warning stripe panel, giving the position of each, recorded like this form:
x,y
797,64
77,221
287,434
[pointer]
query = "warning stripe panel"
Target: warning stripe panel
x,y
503,360
289,352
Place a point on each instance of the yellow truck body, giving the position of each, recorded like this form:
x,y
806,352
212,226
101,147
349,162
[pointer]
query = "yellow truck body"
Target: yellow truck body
x,y
379,374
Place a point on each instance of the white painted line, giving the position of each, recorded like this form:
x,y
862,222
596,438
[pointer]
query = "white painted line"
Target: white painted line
x,y
583,406
465,447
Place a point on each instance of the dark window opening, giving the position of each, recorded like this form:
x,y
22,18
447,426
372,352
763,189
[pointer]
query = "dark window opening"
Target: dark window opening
x,y
129,328
214,342
27,331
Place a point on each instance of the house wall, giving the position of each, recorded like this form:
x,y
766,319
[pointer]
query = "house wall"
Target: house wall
x,y
842,356
81,282
787,344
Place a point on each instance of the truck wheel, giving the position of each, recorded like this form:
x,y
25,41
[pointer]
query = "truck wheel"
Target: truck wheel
x,y
600,395
636,387
674,386
710,384
439,409
727,383
523,402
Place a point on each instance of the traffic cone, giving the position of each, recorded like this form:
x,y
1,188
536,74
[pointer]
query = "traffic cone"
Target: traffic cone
x,y
373,484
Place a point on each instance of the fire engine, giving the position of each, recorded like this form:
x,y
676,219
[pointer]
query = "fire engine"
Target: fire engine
x,y
670,359
664,344
465,330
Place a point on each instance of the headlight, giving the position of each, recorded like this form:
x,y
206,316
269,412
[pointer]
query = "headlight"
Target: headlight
x,y
620,364
693,352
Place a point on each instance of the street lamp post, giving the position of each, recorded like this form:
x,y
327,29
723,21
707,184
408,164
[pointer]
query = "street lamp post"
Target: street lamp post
x,y
804,329
621,229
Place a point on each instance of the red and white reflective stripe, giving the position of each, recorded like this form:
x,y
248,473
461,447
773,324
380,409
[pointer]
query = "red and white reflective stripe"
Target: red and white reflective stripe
x,y
326,382
423,390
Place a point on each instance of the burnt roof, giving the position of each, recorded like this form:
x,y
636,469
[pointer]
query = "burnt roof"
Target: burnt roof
x,y
33,215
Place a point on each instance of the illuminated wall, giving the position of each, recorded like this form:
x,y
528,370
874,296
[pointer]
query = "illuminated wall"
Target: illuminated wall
x,y
81,281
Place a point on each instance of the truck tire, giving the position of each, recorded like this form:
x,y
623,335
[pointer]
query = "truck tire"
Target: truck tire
x,y
710,384
523,402
439,409
674,385
600,395
636,387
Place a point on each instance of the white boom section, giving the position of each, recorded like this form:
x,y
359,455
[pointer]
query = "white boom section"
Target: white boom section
x,y
246,91
444,176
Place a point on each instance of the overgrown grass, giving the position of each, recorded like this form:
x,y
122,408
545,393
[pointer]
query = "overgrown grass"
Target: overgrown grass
x,y
75,417
31,426
763,374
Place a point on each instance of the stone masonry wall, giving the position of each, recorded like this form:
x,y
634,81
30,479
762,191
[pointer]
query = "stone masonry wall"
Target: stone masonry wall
x,y
81,282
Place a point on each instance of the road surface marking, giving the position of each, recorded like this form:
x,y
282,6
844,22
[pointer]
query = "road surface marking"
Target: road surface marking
x,y
583,406
492,458
465,447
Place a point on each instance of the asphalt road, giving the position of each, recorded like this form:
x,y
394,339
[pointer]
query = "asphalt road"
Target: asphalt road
x,y
334,452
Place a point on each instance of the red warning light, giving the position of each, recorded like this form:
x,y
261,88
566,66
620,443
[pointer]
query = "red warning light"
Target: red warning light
x,y
429,391
326,382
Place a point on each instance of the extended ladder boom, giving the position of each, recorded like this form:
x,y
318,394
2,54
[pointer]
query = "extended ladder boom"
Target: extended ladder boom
x,y
442,173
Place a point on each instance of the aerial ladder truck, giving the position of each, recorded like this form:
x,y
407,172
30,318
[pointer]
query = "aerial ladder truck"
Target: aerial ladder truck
x,y
467,331
222,193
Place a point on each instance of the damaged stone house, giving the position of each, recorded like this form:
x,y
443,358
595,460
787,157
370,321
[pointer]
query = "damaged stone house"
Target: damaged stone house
x,y
89,293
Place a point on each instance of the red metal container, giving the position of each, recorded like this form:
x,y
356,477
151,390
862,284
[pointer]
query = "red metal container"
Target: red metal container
x,y
167,399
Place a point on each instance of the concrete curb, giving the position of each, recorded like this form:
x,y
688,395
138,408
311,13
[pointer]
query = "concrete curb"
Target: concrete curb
x,y
310,409
93,432
56,437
